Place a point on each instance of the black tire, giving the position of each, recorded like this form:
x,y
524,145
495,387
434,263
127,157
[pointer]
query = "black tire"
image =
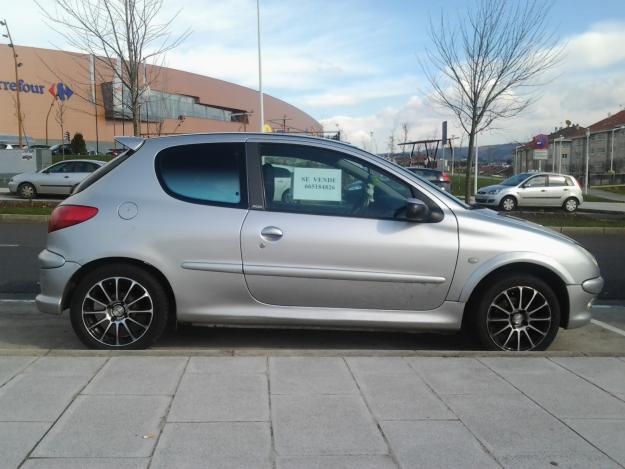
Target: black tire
x,y
519,331
26,190
570,204
85,324
508,203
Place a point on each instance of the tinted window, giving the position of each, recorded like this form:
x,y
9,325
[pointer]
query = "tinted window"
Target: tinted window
x,y
61,168
326,182
557,181
206,173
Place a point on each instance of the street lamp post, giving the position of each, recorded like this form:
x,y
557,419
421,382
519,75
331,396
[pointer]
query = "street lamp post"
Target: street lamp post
x,y
560,155
260,70
587,160
477,152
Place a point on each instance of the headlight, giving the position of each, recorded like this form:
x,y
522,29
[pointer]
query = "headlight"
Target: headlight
x,y
494,191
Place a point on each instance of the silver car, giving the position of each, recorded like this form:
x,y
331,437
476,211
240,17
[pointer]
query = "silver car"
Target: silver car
x,y
59,178
188,228
533,190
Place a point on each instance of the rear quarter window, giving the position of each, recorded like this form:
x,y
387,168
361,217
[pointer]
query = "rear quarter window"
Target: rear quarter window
x,y
208,173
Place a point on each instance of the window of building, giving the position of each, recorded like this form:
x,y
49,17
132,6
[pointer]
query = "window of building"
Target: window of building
x,y
211,173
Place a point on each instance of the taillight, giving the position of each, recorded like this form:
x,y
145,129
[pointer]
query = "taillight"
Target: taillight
x,y
445,177
69,215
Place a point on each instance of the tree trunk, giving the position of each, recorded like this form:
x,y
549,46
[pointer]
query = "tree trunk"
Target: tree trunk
x,y
136,119
467,181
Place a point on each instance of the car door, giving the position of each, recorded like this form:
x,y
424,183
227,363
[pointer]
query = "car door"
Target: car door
x,y
338,240
558,190
80,171
56,179
533,192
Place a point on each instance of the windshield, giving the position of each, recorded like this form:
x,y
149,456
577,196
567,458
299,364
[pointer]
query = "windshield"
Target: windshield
x,y
516,180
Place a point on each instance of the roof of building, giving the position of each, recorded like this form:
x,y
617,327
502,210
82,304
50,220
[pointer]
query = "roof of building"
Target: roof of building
x,y
610,122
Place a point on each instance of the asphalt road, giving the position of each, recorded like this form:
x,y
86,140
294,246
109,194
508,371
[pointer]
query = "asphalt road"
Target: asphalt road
x,y
20,244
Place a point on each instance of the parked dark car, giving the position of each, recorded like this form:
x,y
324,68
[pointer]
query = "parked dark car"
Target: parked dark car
x,y
62,149
439,178
115,151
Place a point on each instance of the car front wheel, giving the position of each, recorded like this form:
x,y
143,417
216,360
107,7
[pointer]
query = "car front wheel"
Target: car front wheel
x,y
508,203
119,306
27,191
517,313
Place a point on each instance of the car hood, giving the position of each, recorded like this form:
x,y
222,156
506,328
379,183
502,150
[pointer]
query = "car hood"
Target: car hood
x,y
508,220
490,188
23,175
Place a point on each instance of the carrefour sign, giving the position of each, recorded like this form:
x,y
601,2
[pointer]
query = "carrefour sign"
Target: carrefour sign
x,y
58,90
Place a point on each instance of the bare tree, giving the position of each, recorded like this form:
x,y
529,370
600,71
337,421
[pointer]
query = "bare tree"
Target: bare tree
x,y
125,35
486,67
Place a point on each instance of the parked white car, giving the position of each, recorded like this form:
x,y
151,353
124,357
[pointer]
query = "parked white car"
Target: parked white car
x,y
533,190
58,179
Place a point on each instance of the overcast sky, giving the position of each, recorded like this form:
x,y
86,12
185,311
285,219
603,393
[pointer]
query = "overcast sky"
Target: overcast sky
x,y
355,63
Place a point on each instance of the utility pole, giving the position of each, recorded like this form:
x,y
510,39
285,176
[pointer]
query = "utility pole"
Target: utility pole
x,y
17,81
587,161
260,71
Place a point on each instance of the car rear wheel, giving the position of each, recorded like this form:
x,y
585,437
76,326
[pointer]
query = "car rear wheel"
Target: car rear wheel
x,y
27,191
508,203
517,313
119,306
570,204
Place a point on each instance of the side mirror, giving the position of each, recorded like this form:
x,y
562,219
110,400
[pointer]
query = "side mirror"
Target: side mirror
x,y
416,210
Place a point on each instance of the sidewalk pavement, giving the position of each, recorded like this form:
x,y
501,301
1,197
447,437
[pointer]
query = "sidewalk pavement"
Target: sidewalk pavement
x,y
607,195
311,412
603,206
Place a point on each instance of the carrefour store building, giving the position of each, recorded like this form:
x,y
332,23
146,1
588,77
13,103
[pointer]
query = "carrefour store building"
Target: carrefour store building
x,y
65,92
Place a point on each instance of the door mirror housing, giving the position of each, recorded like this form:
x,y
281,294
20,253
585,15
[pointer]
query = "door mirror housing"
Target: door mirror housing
x,y
416,210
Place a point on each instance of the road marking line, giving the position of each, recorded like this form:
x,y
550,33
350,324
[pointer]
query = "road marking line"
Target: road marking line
x,y
9,245
16,301
608,327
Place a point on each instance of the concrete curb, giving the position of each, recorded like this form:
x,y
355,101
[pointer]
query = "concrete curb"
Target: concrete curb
x,y
19,218
596,230
266,352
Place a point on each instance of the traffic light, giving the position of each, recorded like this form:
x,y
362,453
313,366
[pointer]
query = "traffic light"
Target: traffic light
x,y
67,135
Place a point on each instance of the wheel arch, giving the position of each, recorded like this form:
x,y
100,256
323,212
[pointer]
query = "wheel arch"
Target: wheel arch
x,y
548,275
91,266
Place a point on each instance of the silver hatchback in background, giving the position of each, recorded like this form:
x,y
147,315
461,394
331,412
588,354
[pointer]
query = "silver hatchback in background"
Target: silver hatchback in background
x,y
192,228
58,179
533,190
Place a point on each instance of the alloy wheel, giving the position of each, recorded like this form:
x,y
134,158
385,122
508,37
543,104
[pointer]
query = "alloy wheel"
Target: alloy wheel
x,y
117,311
570,205
519,318
27,191
508,204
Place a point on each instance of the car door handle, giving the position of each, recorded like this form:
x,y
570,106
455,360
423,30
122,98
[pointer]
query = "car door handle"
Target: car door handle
x,y
65,177
566,190
543,190
271,233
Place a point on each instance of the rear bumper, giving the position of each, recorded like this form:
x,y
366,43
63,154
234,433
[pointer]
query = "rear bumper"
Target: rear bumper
x,y
581,298
54,275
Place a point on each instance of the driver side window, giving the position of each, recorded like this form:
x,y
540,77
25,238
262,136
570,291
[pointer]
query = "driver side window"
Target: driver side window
x,y
538,181
59,168
304,179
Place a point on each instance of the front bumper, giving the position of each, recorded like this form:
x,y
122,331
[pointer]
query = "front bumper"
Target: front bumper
x,y
491,200
12,187
581,298
54,275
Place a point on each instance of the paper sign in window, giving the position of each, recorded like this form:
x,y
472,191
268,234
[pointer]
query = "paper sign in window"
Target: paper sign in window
x,y
317,184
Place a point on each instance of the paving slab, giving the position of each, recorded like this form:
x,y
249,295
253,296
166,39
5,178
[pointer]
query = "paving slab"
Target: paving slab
x,y
401,396
605,372
342,462
227,365
138,375
10,366
378,365
452,375
557,390
513,428
33,397
607,435
221,397
436,444
86,463
310,375
106,427
66,366
219,445
316,424
17,439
